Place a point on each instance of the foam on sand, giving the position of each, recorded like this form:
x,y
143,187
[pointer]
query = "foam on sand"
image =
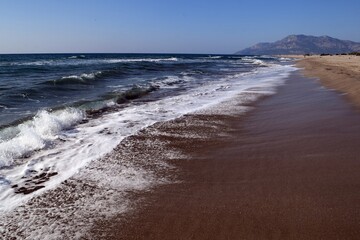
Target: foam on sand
x,y
74,156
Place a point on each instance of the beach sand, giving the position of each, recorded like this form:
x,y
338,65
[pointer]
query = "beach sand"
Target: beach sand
x,y
288,169
341,73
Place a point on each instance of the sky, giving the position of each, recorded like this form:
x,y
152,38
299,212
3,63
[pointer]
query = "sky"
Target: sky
x,y
167,26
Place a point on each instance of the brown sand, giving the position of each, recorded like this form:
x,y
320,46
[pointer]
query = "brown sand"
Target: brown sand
x,y
341,73
287,170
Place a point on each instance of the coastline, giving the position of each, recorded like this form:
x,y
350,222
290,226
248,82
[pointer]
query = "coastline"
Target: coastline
x,y
275,172
341,73
253,166
62,192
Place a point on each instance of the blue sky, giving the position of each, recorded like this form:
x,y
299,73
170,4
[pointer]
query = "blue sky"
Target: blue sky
x,y
167,26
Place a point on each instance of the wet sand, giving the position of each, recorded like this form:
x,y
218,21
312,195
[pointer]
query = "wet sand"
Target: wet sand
x,y
341,73
289,169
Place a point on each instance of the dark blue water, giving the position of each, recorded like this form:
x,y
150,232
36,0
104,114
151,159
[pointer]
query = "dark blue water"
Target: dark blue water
x,y
32,82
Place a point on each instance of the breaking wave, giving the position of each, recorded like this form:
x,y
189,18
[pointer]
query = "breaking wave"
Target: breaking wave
x,y
40,132
83,78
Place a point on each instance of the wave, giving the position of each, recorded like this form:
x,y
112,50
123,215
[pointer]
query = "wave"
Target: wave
x,y
84,78
38,133
77,57
129,60
78,60
254,61
100,135
173,81
134,93
213,57
258,62
232,57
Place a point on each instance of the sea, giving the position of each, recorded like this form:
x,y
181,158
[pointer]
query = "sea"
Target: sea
x,y
61,112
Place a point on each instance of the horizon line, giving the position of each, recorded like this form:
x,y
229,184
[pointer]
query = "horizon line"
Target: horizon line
x,y
186,53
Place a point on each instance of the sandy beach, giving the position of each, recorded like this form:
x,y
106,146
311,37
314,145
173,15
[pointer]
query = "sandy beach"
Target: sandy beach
x,y
341,73
268,162
179,120
286,170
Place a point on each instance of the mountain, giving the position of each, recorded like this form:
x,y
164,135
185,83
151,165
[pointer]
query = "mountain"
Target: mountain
x,y
302,44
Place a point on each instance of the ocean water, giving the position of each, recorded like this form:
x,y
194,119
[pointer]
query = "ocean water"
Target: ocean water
x,y
59,112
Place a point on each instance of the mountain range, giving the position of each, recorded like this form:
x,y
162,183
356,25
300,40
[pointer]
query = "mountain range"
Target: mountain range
x,y
302,44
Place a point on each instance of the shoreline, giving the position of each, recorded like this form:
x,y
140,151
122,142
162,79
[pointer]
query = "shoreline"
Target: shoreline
x,y
64,191
275,172
341,73
254,166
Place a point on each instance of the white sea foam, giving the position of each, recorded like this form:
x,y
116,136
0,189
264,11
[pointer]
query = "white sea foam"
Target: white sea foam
x,y
171,81
36,134
82,77
213,57
84,144
255,61
74,61
259,62
172,59
75,57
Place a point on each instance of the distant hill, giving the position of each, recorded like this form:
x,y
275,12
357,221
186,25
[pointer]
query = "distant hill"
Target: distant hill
x,y
302,44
